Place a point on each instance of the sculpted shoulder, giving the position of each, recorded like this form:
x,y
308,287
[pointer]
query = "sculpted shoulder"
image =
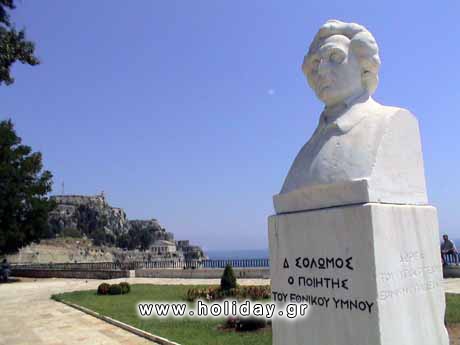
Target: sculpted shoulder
x,y
373,109
393,112
345,149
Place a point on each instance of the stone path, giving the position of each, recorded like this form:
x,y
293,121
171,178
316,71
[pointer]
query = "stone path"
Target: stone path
x,y
452,285
28,315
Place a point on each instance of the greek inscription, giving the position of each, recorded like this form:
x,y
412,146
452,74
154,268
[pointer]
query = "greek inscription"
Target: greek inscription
x,y
409,273
349,264
324,263
321,301
411,290
408,257
323,282
350,304
279,296
286,263
356,304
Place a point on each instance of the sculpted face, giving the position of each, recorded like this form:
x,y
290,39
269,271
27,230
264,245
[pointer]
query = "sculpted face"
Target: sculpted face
x,y
336,73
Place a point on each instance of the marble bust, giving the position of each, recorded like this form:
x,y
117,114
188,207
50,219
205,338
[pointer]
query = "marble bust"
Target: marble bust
x,y
361,151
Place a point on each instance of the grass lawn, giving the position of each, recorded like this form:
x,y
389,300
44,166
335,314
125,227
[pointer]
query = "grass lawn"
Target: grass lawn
x,y
185,331
452,308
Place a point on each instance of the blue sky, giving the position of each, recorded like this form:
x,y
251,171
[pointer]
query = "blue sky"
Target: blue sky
x,y
191,112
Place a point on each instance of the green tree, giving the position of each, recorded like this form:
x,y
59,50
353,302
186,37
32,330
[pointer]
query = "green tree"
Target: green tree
x,y
24,206
228,280
99,237
13,44
123,241
145,238
140,238
71,232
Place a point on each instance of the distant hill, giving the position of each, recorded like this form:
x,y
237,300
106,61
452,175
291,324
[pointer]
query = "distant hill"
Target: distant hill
x,y
101,232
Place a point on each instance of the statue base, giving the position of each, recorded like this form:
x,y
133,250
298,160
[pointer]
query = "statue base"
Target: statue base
x,y
370,273
345,193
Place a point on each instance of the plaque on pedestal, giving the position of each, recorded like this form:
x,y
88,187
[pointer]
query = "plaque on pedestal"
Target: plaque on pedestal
x,y
371,275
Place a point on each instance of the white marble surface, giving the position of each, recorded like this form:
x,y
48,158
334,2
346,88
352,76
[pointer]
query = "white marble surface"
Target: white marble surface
x,y
356,138
322,196
378,160
386,260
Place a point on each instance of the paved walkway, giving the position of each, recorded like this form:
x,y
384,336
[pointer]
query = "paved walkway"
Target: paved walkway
x,y
28,315
452,285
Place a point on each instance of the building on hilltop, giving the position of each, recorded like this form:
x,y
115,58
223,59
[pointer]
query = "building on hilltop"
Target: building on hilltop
x,y
190,252
92,217
164,248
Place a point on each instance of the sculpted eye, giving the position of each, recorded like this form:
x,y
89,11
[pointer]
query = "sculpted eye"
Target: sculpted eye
x,y
337,57
315,63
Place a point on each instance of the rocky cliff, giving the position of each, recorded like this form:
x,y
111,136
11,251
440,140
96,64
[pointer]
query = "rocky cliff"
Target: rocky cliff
x,y
87,215
159,233
87,229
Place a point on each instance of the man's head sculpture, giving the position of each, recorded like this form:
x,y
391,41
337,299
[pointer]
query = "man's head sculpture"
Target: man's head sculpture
x,y
361,150
343,61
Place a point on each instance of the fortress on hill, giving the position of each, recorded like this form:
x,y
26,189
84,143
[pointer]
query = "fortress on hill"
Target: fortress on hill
x,y
86,228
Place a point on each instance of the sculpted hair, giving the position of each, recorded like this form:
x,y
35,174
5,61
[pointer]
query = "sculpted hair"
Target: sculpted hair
x,y
362,44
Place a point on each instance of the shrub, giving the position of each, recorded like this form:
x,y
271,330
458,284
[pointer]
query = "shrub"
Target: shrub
x,y
115,289
98,236
250,324
210,293
192,294
125,287
231,322
103,289
228,280
254,292
241,292
71,232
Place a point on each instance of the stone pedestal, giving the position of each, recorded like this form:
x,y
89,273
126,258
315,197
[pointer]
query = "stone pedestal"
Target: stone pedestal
x,y
371,274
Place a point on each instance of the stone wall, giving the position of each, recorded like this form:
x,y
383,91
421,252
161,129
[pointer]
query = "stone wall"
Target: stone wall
x,y
62,250
451,271
77,200
211,273
77,250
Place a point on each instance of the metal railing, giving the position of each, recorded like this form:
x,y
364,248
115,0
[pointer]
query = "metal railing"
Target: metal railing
x,y
155,264
450,258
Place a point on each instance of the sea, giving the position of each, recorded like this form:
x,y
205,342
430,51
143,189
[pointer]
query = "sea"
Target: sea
x,y
237,254
257,253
